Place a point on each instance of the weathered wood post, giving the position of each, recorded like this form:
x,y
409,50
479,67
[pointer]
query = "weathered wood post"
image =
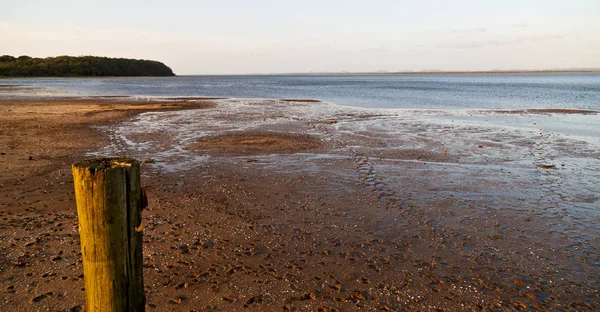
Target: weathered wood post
x,y
109,204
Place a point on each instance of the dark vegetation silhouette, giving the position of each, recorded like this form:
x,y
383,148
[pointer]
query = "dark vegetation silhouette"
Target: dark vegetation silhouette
x,y
76,66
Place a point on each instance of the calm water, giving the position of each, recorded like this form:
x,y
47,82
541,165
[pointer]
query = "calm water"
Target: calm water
x,y
482,91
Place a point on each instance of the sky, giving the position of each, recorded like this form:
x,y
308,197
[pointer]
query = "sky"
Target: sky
x,y
245,37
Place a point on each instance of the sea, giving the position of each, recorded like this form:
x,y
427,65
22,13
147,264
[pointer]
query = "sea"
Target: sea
x,y
410,91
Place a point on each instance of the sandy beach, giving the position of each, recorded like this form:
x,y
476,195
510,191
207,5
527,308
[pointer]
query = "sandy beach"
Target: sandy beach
x,y
273,205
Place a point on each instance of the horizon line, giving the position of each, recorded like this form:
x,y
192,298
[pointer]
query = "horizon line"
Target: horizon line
x,y
422,72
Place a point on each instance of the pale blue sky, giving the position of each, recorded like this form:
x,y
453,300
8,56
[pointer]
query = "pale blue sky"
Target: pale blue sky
x,y
236,37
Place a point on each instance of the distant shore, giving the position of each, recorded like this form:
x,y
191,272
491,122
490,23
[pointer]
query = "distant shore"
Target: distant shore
x,y
80,66
433,72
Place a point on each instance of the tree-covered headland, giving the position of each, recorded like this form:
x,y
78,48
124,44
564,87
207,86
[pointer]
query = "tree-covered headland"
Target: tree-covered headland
x,y
77,66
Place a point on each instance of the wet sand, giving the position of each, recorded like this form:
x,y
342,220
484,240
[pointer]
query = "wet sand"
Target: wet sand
x,y
268,208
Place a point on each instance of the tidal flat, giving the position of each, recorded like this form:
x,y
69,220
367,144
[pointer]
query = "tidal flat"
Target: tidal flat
x,y
266,204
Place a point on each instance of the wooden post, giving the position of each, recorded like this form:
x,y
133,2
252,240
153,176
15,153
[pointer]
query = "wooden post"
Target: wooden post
x,y
109,196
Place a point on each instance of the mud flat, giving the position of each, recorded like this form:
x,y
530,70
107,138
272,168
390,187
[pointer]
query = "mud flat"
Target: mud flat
x,y
301,205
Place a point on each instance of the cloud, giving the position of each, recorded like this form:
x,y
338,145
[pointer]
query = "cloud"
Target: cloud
x,y
500,42
476,30
519,25
109,35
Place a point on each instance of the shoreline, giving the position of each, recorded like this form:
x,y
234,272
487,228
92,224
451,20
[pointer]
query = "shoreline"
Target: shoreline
x,y
288,210
193,98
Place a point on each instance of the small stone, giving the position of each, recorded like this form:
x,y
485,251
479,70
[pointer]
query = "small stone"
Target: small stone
x,y
547,166
208,244
77,308
309,296
42,297
184,248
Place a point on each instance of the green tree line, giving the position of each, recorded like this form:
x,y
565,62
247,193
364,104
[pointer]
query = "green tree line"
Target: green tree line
x,y
75,66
